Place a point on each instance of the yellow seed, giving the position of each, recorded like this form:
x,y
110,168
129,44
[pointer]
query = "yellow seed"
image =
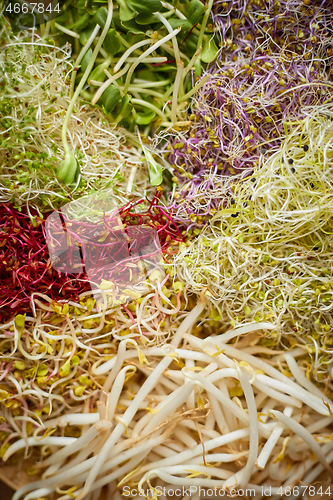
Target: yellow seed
x,y
78,391
64,370
41,380
156,275
19,365
106,285
42,370
132,293
65,309
84,380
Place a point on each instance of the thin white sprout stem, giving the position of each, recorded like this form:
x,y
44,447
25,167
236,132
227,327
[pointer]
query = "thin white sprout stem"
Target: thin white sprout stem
x,y
219,457
241,330
254,435
311,477
147,84
304,434
306,398
180,69
212,483
181,123
220,419
146,104
69,449
275,376
131,178
272,440
173,9
183,469
171,403
143,90
278,396
139,453
116,390
67,31
149,60
147,53
192,61
108,82
144,421
320,424
174,38
117,362
197,86
209,445
78,460
302,380
190,403
40,493
211,389
184,437
83,52
204,22
31,441
126,54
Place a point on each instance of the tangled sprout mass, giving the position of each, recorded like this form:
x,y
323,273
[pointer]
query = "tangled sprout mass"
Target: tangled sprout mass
x,y
166,250
267,253
276,59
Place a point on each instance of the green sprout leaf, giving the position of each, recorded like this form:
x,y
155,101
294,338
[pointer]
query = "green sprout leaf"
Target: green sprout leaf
x,y
125,108
197,68
145,18
209,50
67,170
132,27
195,11
42,370
184,24
76,360
110,98
155,169
81,7
149,6
98,73
19,365
64,370
86,58
81,23
155,174
100,16
126,12
86,34
144,118
111,43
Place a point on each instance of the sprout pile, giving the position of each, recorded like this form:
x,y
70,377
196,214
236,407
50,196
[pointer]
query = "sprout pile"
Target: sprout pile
x,y
197,411
35,97
25,264
276,58
49,354
141,58
267,254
